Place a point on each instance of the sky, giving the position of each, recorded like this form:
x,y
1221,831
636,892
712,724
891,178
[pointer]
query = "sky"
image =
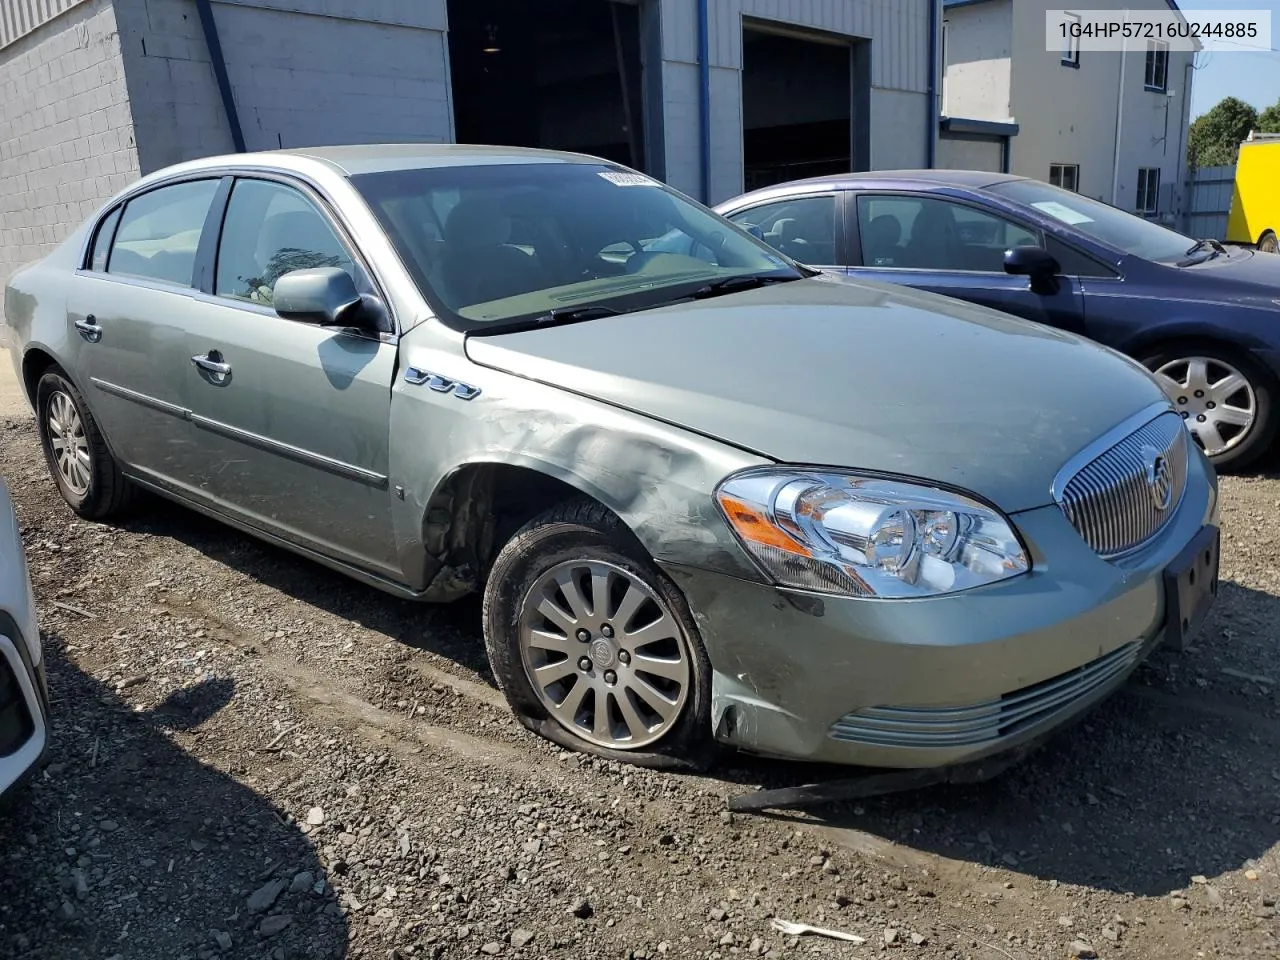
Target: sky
x,y
1253,77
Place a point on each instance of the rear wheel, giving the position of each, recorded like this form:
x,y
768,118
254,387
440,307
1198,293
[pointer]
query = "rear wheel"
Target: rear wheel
x,y
1226,399
594,648
82,466
1268,243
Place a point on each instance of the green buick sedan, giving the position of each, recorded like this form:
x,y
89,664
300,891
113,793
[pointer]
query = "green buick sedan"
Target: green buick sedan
x,y
710,498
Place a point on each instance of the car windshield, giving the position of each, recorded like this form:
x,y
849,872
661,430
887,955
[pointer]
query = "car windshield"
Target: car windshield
x,y
495,243
1134,235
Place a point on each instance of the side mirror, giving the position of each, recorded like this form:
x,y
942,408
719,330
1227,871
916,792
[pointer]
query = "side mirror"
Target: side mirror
x,y
1030,262
1034,262
755,231
323,295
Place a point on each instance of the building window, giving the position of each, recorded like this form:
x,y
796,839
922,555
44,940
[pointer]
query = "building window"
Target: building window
x,y
1065,175
1157,72
1071,52
1148,200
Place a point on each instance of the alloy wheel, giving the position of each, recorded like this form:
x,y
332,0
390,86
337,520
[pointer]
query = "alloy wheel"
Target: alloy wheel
x,y
605,655
1214,398
69,444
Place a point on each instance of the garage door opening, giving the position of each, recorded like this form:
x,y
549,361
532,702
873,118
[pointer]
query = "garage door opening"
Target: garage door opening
x,y
799,106
558,74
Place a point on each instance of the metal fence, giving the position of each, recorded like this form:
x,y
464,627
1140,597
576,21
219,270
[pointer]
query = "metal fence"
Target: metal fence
x,y
1210,202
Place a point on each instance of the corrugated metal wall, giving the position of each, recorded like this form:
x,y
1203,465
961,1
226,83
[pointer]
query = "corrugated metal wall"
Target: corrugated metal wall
x,y
900,29
1211,191
898,35
20,17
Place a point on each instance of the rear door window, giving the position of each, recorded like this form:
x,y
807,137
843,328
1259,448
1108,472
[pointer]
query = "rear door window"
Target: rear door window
x,y
159,233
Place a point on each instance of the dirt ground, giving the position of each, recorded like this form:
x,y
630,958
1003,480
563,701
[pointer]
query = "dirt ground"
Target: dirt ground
x,y
256,758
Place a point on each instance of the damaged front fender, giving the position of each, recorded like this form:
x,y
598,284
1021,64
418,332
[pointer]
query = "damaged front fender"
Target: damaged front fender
x,y
448,454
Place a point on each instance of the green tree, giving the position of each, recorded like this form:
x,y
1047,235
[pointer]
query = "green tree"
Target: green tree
x,y
1269,119
1215,137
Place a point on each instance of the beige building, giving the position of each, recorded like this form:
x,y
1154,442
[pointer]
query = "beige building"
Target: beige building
x,y
1110,125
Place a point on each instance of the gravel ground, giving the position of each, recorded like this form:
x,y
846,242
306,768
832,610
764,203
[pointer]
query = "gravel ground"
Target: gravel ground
x,y
253,757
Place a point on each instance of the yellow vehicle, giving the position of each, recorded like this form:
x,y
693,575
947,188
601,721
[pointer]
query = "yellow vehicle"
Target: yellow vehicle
x,y
1255,203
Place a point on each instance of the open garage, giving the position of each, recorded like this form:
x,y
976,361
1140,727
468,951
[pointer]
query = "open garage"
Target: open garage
x,y
800,95
560,74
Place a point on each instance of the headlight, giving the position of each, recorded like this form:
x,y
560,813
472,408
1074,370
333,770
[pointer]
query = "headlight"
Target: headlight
x,y
866,536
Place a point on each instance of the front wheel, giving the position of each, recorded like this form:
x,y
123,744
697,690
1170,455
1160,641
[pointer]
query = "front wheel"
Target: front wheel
x,y
593,647
1226,398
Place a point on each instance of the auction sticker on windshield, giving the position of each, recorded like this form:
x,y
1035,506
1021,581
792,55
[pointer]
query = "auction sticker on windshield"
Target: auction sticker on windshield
x,y
628,179
1061,212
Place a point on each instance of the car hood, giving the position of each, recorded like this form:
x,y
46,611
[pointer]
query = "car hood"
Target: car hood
x,y
850,374
1249,276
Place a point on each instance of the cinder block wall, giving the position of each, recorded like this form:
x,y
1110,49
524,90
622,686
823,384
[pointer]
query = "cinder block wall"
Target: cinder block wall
x,y
66,132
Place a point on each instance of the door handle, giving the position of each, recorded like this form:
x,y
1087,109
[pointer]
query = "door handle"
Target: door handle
x,y
89,329
213,363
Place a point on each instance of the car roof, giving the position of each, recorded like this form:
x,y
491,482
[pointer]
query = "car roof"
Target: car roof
x,y
973,179
355,159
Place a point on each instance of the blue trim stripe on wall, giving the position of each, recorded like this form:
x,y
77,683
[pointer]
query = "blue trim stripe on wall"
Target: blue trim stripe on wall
x,y
704,96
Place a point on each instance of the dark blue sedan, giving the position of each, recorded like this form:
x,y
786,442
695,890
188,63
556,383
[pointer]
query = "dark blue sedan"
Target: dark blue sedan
x,y
1203,317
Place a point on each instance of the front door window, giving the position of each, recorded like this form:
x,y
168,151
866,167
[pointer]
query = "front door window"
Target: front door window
x,y
803,228
925,233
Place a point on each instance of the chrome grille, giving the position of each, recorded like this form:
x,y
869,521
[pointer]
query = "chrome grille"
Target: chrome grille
x,y
979,723
1109,499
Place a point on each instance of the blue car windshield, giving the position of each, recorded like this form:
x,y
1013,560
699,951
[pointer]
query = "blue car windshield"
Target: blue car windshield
x,y
489,244
1111,225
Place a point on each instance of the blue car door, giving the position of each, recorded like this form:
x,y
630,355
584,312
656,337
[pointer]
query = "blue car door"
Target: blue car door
x,y
955,248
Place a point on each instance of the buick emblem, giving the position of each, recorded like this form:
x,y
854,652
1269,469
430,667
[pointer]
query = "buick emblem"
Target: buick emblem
x,y
1159,478
602,652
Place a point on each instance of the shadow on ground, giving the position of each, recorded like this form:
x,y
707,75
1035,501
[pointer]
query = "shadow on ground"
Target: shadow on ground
x,y
124,846
1176,775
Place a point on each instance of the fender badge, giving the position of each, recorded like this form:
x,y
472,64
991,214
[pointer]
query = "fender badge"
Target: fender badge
x,y
463,391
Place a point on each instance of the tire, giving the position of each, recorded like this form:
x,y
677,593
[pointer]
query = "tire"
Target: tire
x,y
1268,243
96,490
580,539
1244,444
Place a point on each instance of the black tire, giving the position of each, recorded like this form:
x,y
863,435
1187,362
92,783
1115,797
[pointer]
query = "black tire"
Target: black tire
x,y
1261,434
108,494
583,530
1268,243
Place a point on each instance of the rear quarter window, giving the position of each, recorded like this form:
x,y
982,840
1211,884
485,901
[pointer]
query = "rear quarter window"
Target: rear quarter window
x,y
102,240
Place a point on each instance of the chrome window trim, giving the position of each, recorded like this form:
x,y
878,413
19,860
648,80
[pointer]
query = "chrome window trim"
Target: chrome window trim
x,y
309,187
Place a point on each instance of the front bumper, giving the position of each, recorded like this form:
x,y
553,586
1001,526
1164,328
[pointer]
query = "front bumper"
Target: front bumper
x,y
940,681
24,725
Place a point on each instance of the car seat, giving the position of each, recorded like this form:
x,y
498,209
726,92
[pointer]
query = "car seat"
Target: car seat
x,y
880,242
477,264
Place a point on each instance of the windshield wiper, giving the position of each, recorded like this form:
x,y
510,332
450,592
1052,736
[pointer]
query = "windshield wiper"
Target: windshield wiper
x,y
572,315
1202,245
718,288
560,315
